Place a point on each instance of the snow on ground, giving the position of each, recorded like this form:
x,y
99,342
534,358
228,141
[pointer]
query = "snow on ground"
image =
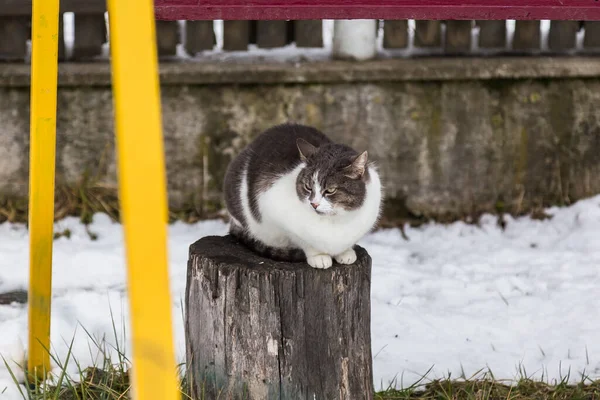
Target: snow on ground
x,y
455,298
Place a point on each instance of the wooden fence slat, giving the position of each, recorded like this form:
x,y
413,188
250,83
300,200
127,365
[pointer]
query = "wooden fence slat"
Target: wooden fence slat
x,y
236,35
62,52
592,34
199,36
271,34
527,35
563,35
14,33
492,34
458,36
308,33
90,35
395,34
167,38
290,32
252,28
428,34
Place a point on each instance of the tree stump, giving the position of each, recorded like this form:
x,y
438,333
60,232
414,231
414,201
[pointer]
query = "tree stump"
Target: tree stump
x,y
260,329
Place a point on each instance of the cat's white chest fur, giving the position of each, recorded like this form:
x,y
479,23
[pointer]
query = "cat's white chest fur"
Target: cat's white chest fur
x,y
287,221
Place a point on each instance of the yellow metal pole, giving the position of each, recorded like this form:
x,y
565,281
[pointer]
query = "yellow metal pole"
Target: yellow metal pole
x,y
142,192
44,71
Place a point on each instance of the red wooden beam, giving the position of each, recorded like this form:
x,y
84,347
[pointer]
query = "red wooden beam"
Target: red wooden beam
x,y
377,9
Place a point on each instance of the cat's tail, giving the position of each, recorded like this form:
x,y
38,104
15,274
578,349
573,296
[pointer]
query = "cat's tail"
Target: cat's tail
x,y
274,253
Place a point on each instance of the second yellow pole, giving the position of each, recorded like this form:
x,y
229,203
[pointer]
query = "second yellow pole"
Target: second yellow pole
x,y
142,193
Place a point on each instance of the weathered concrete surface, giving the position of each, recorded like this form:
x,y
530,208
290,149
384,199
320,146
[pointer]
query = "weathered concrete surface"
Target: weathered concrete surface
x,y
446,148
255,70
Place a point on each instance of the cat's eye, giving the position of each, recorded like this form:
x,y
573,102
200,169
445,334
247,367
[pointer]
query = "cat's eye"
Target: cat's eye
x,y
330,191
307,187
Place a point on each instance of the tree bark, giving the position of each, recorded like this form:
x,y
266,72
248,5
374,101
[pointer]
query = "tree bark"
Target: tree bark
x,y
261,329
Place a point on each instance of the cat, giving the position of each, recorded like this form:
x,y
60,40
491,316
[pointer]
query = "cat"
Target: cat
x,y
294,195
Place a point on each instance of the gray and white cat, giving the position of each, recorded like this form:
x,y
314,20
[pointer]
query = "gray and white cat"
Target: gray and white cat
x,y
294,195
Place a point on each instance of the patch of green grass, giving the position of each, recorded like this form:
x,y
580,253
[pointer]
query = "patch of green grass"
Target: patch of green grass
x,y
108,380
112,382
494,390
483,386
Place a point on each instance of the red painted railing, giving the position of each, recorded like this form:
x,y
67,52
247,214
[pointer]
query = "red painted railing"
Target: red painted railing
x,y
377,9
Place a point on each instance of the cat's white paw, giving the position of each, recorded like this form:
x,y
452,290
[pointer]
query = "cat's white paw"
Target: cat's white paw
x,y
347,257
320,261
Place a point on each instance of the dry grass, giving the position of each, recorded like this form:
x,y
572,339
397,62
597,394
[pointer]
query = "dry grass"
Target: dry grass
x,y
90,195
83,199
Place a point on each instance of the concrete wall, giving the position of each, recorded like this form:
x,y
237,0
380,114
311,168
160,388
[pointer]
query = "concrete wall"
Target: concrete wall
x,y
449,145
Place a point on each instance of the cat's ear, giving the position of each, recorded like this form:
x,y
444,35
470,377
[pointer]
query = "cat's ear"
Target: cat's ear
x,y
306,149
357,168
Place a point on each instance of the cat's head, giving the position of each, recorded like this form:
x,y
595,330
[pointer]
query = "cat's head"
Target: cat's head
x,y
334,179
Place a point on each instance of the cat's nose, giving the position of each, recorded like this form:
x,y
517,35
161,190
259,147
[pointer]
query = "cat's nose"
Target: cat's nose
x,y
314,205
